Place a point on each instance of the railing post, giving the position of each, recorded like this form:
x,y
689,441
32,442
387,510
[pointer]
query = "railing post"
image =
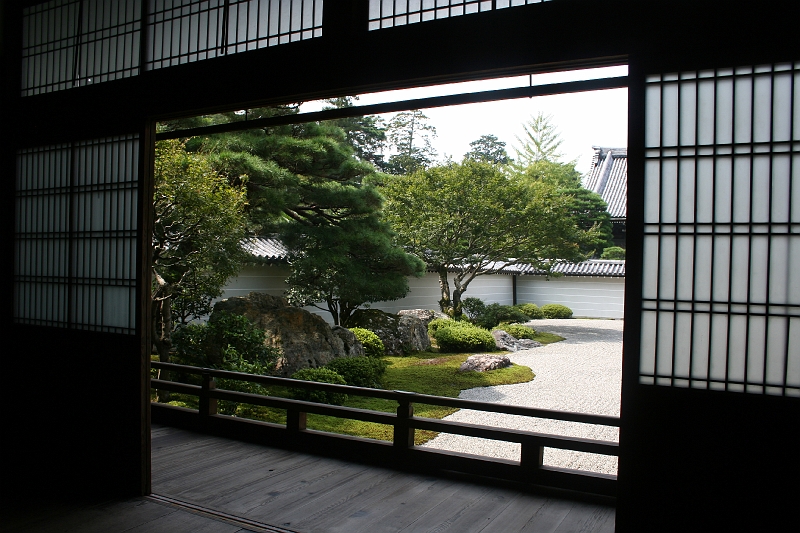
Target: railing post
x,y
403,432
208,405
295,420
531,455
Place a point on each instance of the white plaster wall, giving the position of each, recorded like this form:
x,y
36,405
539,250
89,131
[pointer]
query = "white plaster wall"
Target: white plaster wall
x,y
586,296
593,297
268,279
423,294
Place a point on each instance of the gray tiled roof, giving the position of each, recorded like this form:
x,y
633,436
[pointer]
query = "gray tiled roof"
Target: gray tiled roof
x,y
592,267
606,268
271,249
265,248
608,177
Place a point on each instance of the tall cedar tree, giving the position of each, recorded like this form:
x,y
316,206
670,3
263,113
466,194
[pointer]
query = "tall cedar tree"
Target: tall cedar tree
x,y
411,136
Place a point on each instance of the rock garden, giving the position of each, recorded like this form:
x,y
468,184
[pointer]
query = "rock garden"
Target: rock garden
x,y
416,350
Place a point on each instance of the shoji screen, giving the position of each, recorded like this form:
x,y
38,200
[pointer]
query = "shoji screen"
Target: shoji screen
x,y
75,235
721,276
70,43
184,31
388,13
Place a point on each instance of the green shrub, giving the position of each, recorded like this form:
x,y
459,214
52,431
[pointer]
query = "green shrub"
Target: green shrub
x,y
530,310
360,371
437,323
320,375
556,311
518,331
613,252
373,345
496,313
235,362
463,337
473,307
205,345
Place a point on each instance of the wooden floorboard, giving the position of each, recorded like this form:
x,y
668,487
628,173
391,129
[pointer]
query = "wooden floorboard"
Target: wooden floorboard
x,y
137,515
314,494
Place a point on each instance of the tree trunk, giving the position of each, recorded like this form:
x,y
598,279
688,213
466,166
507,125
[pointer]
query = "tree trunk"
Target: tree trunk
x,y
460,281
445,304
334,309
162,338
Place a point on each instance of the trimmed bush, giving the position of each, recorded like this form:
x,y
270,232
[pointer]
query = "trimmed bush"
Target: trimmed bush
x,y
556,311
530,310
613,252
437,323
360,371
373,345
463,337
496,313
320,375
518,331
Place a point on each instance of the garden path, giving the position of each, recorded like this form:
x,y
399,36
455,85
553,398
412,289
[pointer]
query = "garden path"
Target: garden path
x,y
581,374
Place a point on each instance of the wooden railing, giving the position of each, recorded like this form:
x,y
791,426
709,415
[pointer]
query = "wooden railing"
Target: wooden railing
x,y
401,452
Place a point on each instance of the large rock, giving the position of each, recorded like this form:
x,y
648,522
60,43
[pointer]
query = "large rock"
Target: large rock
x,y
352,346
484,362
304,339
400,335
505,341
425,315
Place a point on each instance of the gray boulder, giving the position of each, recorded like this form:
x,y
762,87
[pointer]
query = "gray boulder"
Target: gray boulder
x,y
505,341
484,362
352,346
304,339
400,335
425,315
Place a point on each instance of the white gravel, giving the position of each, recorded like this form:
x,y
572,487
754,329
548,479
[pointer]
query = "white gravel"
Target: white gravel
x,y
581,374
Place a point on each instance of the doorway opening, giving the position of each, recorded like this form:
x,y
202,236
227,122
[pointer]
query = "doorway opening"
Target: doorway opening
x,y
296,130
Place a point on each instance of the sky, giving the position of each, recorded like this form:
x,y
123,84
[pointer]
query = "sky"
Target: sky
x,y
597,118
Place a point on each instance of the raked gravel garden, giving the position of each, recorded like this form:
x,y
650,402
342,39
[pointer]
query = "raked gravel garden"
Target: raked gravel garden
x,y
581,374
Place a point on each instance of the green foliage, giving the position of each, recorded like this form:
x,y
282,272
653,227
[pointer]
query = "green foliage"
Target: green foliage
x,y
437,323
463,337
320,375
474,215
473,307
590,213
206,345
411,136
236,362
360,371
495,313
309,185
347,265
560,175
556,311
530,310
518,331
366,135
540,141
613,252
488,149
199,223
228,342
373,345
